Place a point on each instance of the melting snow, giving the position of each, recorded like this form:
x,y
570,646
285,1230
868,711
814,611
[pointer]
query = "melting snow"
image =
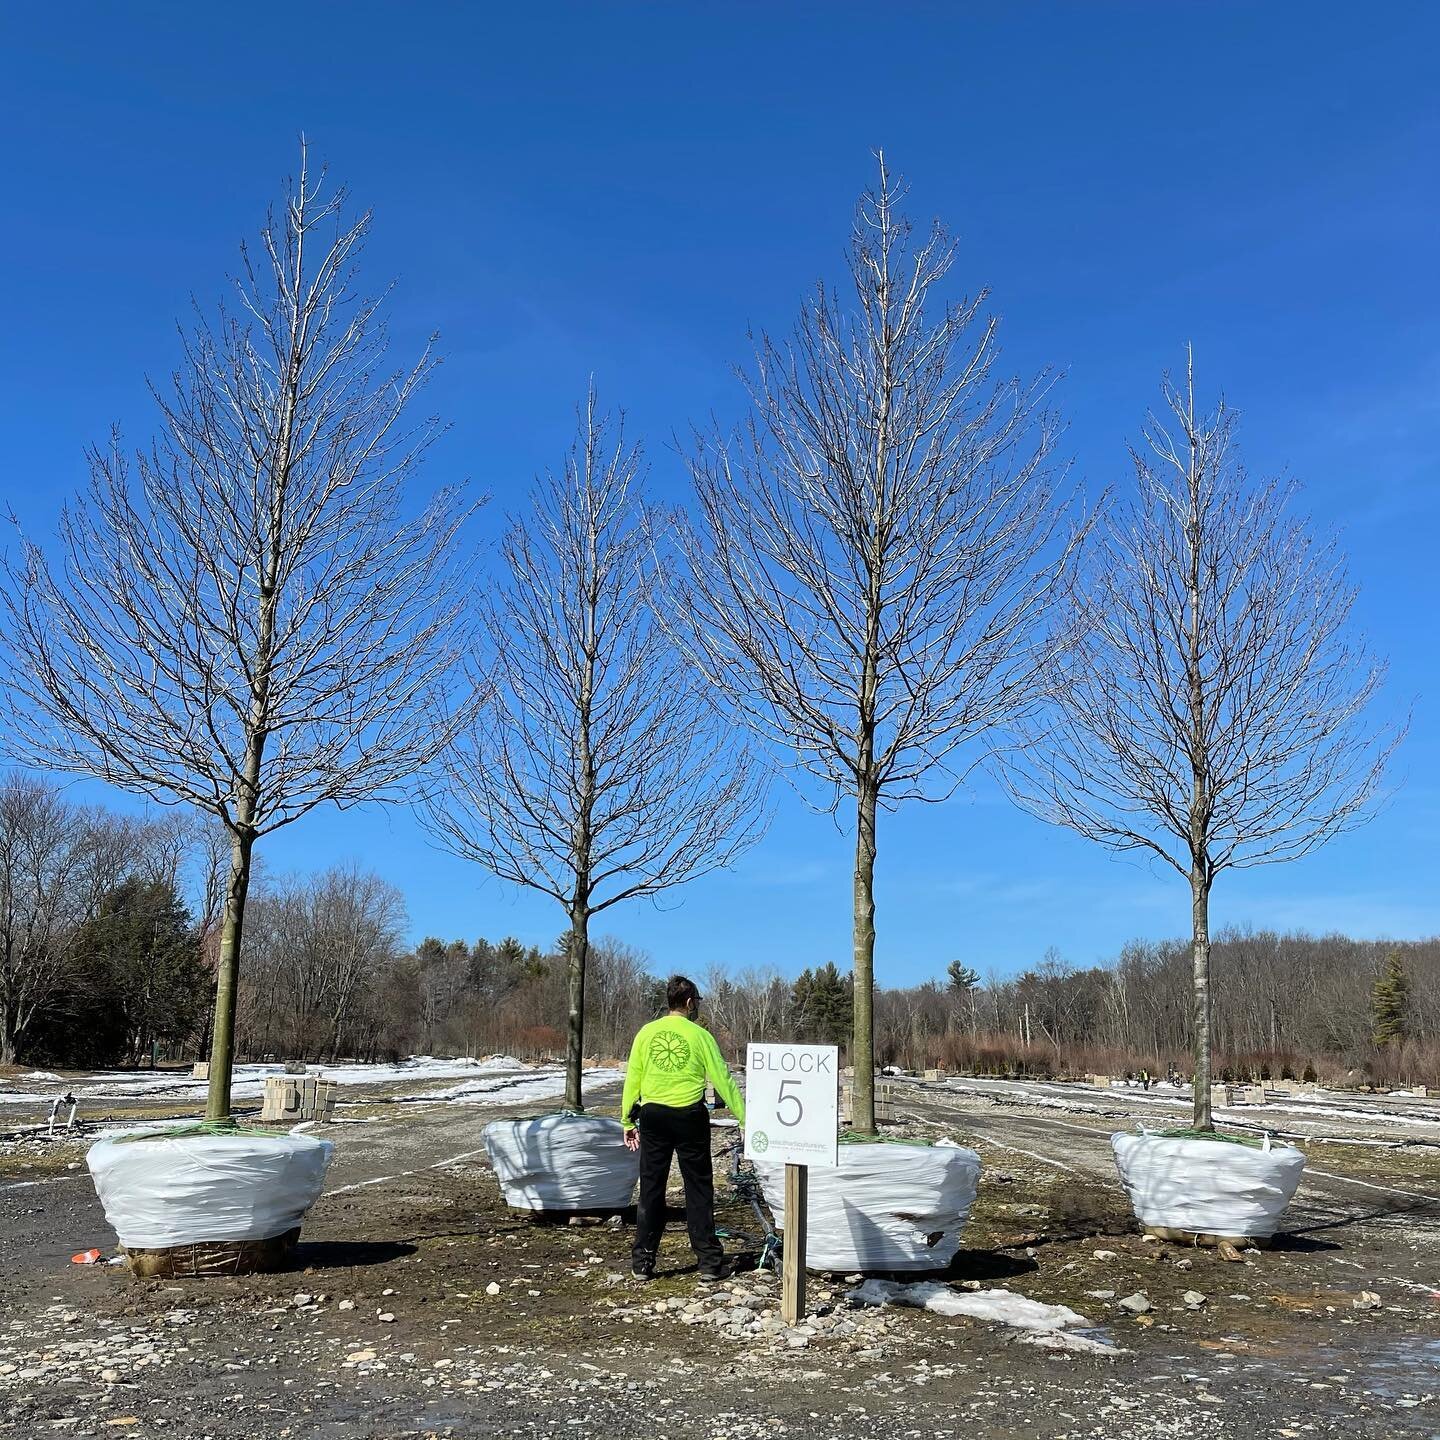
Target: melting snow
x,y
509,1088
1002,1306
248,1082
1045,1325
1055,1095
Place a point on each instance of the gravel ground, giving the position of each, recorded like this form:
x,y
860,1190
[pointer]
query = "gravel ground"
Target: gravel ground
x,y
422,1307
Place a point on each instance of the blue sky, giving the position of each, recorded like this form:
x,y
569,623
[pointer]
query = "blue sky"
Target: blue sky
x,y
624,189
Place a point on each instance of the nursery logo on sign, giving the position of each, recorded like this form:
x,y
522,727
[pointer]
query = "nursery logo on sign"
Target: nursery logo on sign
x,y
792,1103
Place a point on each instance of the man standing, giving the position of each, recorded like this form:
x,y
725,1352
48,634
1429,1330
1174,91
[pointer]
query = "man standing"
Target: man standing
x,y
670,1061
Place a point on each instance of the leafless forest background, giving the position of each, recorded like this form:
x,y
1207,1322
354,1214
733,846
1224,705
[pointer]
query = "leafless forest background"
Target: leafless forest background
x,y
108,930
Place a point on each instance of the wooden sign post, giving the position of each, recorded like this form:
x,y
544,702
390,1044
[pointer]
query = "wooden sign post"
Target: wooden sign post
x,y
797,1205
791,1117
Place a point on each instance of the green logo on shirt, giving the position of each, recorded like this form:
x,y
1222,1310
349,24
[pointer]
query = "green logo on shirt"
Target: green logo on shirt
x,y
669,1051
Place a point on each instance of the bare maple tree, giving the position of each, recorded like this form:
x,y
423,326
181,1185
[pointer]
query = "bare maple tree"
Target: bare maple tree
x,y
874,550
248,618
1208,706
597,770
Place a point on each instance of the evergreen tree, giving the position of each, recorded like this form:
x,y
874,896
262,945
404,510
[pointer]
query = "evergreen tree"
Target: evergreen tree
x,y
836,1004
485,975
430,951
823,1005
510,960
800,1004
137,976
1390,1002
962,979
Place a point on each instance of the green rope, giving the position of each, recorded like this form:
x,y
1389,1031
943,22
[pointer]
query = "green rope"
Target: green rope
x,y
855,1137
1254,1141
202,1127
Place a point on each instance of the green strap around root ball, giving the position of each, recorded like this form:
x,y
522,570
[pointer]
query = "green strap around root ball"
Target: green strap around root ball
x,y
203,1127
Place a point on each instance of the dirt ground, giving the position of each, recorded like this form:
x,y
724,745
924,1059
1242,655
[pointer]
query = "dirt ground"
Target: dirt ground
x,y
423,1307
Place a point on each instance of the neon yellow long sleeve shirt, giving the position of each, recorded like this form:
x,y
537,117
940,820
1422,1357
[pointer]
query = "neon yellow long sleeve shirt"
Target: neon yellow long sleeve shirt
x,y
670,1061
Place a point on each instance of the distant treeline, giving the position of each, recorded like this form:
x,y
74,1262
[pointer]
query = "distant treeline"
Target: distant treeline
x,y
108,928
1286,1005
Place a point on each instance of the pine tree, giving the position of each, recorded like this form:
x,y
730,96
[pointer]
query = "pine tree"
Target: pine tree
x,y
800,1004
1389,1002
962,978
823,1005
136,969
511,959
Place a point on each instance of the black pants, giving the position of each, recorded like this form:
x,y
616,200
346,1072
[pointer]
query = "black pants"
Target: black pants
x,y
685,1134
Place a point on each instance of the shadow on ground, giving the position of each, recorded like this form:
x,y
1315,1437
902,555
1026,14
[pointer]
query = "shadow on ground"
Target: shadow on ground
x,y
343,1254
984,1265
1299,1243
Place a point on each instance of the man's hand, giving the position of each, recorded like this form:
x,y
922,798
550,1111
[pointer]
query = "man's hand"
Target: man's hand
x,y
632,1139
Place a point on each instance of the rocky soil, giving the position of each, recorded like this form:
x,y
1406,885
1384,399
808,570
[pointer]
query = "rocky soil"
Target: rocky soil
x,y
422,1307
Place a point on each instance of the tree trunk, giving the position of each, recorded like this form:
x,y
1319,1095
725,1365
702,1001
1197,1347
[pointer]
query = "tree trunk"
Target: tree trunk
x,y
227,969
1200,1014
577,954
227,973
7,1037
862,1051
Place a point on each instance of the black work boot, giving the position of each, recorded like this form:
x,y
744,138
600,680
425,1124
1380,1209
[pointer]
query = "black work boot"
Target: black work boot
x,y
723,1271
642,1267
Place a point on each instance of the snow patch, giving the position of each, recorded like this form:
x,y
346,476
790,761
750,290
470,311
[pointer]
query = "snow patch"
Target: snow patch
x,y
1079,1099
1049,1326
517,1089
248,1081
498,1079
1068,1340
1004,1307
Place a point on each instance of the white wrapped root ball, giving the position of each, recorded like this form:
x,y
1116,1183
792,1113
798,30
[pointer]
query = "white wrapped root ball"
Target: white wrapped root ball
x,y
1214,1188
189,1189
563,1162
887,1206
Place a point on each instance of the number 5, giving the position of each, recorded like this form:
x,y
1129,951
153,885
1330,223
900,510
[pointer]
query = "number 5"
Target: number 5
x,y
791,1099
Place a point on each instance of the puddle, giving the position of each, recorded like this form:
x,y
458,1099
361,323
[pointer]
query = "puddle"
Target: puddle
x,y
1409,1366
1101,1335
1392,1369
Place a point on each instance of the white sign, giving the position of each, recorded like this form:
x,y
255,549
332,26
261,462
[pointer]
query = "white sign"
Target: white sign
x,y
792,1104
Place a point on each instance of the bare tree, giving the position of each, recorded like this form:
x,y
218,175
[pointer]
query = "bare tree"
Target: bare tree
x,y
439,973
162,848
357,921
58,861
42,855
316,949
248,618
875,549
1210,709
597,770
